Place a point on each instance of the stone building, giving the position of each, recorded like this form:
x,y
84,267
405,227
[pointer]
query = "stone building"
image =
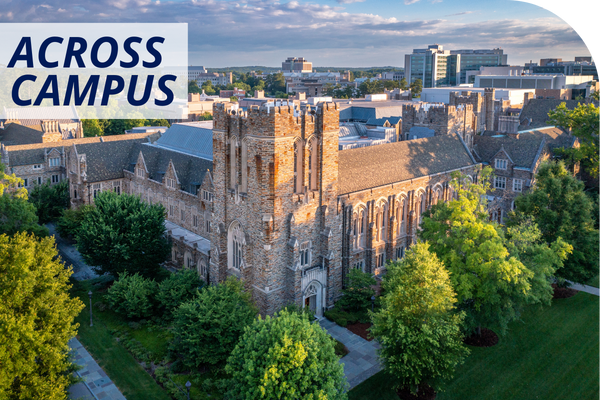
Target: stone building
x,y
174,170
515,159
483,106
292,214
426,120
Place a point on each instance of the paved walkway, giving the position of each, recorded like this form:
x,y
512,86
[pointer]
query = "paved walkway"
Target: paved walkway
x,y
71,256
96,385
585,288
361,362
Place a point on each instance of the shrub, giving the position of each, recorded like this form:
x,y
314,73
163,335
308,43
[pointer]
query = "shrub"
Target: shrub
x,y
176,290
285,357
208,327
50,200
358,293
132,296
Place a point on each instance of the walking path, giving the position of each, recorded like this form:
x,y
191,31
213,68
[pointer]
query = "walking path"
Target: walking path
x,y
71,256
96,384
585,288
361,362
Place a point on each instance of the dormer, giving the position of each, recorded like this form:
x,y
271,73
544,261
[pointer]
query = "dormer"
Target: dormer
x,y
170,179
141,171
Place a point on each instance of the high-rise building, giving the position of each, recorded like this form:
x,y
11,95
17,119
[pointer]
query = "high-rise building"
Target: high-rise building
x,y
437,67
296,64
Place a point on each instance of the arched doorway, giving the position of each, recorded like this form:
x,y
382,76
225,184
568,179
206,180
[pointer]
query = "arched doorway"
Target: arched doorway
x,y
313,298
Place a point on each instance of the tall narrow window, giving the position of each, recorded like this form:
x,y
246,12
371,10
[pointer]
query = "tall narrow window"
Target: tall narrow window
x,y
244,166
235,246
298,166
384,217
313,164
233,162
305,254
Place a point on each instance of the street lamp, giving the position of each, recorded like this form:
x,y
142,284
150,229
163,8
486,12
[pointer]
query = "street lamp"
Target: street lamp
x,y
90,294
372,303
188,385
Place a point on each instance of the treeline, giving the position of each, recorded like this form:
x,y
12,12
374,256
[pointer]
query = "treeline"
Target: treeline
x,y
105,127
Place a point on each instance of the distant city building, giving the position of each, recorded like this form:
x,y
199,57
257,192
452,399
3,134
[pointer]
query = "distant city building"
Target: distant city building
x,y
546,61
581,66
438,67
296,64
194,72
392,75
215,78
231,93
312,83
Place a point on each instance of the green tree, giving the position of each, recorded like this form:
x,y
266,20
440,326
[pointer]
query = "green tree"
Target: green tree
x,y
70,221
403,84
16,213
208,88
92,127
275,83
491,285
358,292
285,357
50,200
207,328
193,87
417,326
133,296
584,122
177,289
561,209
416,87
122,233
37,317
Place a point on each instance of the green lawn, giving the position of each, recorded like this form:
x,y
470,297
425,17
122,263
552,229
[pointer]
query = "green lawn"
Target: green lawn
x,y
551,354
133,381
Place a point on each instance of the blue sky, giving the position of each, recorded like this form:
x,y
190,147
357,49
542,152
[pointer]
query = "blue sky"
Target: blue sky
x,y
332,33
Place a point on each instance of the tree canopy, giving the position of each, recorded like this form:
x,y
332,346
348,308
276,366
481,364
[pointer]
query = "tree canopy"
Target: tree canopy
x,y
285,357
50,200
122,233
37,317
584,122
417,326
208,327
558,205
491,285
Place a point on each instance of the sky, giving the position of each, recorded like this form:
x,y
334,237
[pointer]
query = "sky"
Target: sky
x,y
329,33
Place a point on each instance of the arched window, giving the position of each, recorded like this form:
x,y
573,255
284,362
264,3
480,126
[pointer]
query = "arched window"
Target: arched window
x,y
202,269
380,221
420,208
233,162
235,243
298,166
401,214
244,166
188,260
437,195
360,220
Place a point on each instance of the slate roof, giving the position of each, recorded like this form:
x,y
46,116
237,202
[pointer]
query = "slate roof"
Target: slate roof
x,y
537,111
195,139
107,160
524,150
15,134
27,154
375,166
190,169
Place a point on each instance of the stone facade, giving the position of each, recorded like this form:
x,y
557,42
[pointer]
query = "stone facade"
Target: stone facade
x,y
442,119
483,106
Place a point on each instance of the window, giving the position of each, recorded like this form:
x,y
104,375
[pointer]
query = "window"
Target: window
x,y
517,185
171,183
305,254
313,162
117,187
140,172
39,180
399,253
360,219
25,183
182,215
233,163
401,214
55,178
195,220
235,242
501,164
54,162
37,166
500,182
359,265
298,166
74,193
96,189
171,209
244,167
207,221
380,260
207,196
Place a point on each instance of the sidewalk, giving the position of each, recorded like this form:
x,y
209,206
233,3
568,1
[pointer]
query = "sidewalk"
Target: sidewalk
x,y
72,257
585,288
362,361
97,384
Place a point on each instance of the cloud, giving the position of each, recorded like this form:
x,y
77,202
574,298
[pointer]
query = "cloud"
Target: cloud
x,y
264,32
350,1
409,2
460,13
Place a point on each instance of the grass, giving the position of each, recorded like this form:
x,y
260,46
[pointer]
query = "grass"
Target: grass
x,y
552,353
131,379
